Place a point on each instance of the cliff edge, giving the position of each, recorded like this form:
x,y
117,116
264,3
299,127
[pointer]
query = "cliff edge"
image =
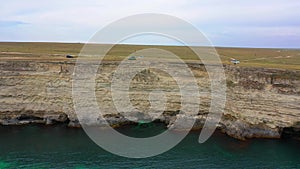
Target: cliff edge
x,y
262,103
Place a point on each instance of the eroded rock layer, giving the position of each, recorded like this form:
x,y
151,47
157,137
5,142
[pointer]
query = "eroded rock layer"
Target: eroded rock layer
x,y
259,102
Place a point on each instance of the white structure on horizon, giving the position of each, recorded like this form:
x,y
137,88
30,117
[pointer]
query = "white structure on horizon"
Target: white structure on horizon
x,y
234,61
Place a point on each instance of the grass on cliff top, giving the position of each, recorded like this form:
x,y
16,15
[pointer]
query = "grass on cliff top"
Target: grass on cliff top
x,y
249,57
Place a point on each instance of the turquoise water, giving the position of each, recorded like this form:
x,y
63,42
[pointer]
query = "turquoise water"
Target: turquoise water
x,y
35,146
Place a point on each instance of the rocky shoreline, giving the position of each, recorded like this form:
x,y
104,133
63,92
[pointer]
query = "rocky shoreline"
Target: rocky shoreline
x,y
261,103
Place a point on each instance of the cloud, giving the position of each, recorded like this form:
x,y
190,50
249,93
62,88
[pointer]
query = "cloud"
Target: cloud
x,y
11,23
225,22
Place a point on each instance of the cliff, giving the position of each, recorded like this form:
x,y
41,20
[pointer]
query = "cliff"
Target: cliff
x,y
260,102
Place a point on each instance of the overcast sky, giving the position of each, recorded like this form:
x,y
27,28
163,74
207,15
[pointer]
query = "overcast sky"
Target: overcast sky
x,y
255,23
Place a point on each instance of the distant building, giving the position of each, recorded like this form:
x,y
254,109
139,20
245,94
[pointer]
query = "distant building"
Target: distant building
x,y
234,61
132,58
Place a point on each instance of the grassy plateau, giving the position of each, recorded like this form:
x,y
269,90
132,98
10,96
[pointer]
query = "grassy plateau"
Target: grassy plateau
x,y
248,57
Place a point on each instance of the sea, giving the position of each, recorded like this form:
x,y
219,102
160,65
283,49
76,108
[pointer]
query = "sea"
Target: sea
x,y
57,146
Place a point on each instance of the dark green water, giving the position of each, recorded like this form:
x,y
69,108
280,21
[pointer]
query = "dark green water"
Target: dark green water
x,y
35,146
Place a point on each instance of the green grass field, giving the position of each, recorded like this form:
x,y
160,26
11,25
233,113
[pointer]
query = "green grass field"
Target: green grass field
x,y
249,57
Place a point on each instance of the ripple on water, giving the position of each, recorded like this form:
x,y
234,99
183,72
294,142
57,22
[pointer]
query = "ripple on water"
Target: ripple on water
x,y
4,165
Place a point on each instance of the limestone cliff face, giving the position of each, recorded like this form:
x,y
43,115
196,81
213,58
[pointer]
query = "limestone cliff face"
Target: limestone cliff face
x,y
260,102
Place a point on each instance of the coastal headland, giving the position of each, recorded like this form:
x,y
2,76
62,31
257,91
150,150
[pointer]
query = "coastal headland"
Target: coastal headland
x,y
263,91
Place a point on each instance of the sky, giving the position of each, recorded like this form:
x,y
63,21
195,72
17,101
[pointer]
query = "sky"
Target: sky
x,y
229,23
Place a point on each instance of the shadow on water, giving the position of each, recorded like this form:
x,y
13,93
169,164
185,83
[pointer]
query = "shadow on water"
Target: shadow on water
x,y
39,146
143,129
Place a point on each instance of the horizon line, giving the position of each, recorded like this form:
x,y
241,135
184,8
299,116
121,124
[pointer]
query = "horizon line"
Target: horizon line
x,y
134,44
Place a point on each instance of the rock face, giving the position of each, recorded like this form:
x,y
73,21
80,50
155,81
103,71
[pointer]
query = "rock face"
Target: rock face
x,y
260,102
